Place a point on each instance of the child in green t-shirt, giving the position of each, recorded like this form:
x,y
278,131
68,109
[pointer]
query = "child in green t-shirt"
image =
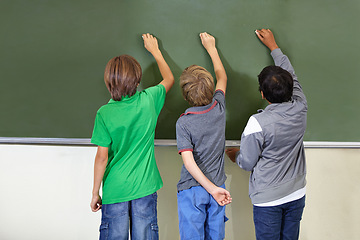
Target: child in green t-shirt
x,y
124,131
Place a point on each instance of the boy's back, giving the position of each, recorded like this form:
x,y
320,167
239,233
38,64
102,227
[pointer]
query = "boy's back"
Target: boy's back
x,y
272,149
127,127
272,144
124,132
200,135
202,131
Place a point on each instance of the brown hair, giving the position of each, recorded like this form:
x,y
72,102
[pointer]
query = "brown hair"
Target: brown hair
x,y
122,76
197,85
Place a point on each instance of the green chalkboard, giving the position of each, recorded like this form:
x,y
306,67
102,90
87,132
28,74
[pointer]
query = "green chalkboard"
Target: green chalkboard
x,y
53,54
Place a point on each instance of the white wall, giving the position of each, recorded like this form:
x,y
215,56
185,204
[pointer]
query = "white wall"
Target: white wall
x,y
46,191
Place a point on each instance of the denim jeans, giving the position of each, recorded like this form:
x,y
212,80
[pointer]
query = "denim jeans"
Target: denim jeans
x,y
139,215
200,216
279,222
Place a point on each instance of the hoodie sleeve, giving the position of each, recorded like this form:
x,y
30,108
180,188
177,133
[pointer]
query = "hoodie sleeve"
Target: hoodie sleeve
x,y
283,61
252,141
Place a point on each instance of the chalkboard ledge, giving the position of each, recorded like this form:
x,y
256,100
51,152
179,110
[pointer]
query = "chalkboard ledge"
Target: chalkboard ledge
x,y
158,142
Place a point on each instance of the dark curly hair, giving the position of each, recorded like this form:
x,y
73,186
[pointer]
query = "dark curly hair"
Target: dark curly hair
x,y
276,84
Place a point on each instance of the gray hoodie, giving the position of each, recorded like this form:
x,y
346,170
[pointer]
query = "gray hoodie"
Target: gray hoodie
x,y
272,144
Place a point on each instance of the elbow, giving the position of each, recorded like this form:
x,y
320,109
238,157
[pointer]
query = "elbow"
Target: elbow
x,y
246,167
187,163
101,159
171,80
169,76
243,164
101,162
221,75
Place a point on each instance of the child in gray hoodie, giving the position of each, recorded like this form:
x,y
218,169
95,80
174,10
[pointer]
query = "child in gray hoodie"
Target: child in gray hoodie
x,y
272,149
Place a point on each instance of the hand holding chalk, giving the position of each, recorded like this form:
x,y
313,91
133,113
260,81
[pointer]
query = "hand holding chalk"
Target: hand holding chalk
x,y
267,37
150,43
207,41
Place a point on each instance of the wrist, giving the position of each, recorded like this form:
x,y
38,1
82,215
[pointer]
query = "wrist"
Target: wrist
x,y
211,189
273,47
156,52
212,50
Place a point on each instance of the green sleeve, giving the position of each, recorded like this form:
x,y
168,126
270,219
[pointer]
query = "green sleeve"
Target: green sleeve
x,y
100,136
158,94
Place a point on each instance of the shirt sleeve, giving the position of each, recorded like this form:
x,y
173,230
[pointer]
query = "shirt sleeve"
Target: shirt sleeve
x,y
283,61
158,94
183,138
100,136
219,96
250,145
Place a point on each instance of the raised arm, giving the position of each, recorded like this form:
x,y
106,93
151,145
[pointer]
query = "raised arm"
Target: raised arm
x,y
208,42
151,44
222,196
280,59
267,37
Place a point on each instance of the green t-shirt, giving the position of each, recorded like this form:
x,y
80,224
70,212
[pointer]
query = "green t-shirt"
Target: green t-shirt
x,y
127,128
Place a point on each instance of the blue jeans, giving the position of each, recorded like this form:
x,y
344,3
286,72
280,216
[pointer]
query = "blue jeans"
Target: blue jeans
x,y
200,216
279,222
139,215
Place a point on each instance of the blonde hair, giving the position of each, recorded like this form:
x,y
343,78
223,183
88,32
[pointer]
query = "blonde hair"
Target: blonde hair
x,y
122,76
197,85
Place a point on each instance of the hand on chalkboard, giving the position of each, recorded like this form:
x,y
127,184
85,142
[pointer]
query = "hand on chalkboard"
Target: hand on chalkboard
x,y
207,41
150,43
267,37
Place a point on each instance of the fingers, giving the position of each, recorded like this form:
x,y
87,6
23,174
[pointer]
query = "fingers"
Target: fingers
x,y
225,201
206,36
263,33
95,203
207,40
150,43
267,38
226,198
203,34
258,33
148,36
96,207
